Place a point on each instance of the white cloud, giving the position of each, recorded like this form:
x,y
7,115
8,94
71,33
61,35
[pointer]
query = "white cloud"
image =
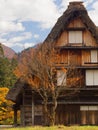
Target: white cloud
x,y
22,37
26,45
36,36
87,2
20,46
6,26
17,40
44,11
8,44
64,4
94,13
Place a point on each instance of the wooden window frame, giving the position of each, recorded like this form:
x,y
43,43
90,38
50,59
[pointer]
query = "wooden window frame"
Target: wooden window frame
x,y
91,56
92,62
75,43
89,108
90,80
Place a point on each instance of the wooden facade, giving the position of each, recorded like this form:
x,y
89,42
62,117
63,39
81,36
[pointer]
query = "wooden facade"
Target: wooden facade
x,y
77,40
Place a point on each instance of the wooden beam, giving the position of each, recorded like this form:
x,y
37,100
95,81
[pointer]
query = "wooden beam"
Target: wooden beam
x,y
69,47
15,117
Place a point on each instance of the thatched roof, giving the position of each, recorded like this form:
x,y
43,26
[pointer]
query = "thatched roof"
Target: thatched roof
x,y
74,10
14,92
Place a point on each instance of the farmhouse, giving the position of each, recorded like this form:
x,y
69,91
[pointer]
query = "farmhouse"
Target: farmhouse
x,y
76,36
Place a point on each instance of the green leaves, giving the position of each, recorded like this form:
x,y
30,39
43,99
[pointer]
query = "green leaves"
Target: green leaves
x,y
7,77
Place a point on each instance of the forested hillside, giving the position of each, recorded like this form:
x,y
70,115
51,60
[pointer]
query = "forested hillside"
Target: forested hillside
x,y
8,52
7,66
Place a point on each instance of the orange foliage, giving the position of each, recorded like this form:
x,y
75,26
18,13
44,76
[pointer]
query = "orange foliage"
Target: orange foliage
x,y
25,59
34,82
6,112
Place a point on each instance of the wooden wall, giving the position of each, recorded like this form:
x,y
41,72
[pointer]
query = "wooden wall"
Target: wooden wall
x,y
77,57
71,115
68,115
88,39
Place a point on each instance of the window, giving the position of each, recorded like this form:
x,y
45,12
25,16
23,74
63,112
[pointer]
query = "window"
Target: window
x,y
88,108
61,77
75,36
83,108
91,56
94,56
91,77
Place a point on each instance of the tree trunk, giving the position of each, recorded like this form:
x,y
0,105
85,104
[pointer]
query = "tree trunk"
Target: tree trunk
x,y
52,119
46,114
53,112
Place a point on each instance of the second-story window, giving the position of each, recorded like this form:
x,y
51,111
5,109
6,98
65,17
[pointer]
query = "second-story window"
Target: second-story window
x,y
75,37
61,78
91,77
94,56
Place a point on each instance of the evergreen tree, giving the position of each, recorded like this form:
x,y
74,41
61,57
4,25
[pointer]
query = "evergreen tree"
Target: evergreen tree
x,y
7,77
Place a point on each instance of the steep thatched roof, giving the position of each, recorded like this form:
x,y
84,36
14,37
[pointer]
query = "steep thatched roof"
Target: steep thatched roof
x,y
74,10
14,92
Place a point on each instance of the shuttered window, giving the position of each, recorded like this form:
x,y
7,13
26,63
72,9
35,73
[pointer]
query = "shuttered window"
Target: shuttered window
x,y
61,78
83,108
93,108
88,108
95,74
75,36
91,77
94,55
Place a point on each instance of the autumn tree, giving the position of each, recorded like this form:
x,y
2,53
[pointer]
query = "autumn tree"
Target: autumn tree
x,y
6,113
23,58
50,80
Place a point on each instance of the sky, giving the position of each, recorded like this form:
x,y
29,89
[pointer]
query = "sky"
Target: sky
x,y
24,23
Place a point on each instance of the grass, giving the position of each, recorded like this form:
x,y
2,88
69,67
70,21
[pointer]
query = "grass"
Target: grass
x,y
54,128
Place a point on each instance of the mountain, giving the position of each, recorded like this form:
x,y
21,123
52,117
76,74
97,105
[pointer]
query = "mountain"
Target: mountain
x,y
8,52
27,54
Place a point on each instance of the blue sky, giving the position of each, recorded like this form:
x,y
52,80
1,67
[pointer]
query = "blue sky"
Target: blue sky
x,y
24,23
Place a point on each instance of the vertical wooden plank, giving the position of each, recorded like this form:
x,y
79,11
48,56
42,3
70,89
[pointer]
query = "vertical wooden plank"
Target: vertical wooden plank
x,y
64,57
93,117
62,40
74,58
15,117
96,117
66,119
83,117
76,23
32,111
89,40
86,56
